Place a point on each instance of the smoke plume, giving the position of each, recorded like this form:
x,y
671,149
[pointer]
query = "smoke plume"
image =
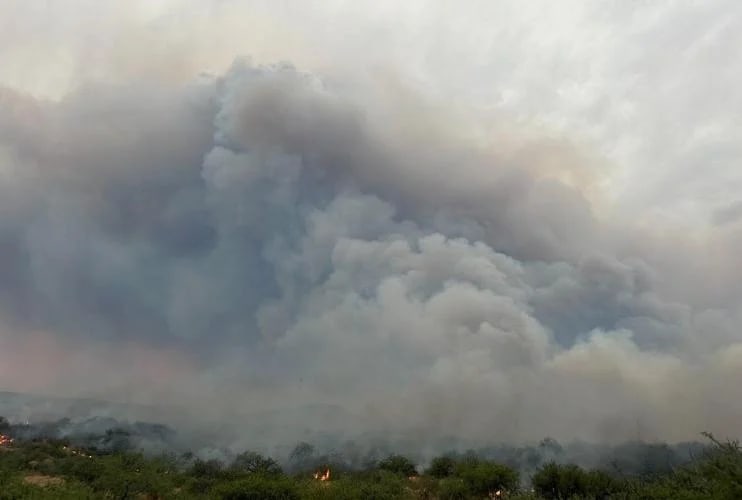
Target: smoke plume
x,y
270,237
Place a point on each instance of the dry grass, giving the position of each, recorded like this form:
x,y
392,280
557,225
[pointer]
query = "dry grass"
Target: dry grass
x,y
42,480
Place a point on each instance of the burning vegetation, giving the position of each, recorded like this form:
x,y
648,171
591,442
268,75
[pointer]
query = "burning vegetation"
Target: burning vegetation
x,y
322,476
5,440
69,468
75,452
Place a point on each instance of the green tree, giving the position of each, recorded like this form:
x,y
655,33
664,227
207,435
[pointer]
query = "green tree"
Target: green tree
x,y
441,467
211,469
453,489
484,477
398,464
254,463
557,482
204,474
368,485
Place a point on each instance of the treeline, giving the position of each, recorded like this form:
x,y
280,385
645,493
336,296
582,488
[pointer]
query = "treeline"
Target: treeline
x,y
107,434
41,467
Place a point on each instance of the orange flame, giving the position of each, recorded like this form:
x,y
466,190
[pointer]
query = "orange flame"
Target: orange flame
x,y
5,440
322,476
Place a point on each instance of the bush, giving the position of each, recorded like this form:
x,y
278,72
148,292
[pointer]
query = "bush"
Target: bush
x,y
453,489
397,464
211,469
557,482
128,475
483,477
601,486
204,475
257,487
85,470
250,462
69,491
379,485
441,467
717,475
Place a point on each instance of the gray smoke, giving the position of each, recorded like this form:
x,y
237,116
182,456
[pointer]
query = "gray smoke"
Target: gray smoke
x,y
268,239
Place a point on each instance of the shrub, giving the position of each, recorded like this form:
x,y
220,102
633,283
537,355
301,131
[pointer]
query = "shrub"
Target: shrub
x,y
453,489
398,464
441,467
483,477
379,485
257,487
556,482
254,463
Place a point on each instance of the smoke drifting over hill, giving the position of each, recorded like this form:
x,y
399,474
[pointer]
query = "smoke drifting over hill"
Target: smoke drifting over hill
x,y
270,237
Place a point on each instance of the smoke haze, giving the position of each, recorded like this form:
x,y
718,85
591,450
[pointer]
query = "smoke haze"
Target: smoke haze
x,y
447,218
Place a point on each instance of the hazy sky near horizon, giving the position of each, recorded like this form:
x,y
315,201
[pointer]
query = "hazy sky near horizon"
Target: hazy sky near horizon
x,y
521,218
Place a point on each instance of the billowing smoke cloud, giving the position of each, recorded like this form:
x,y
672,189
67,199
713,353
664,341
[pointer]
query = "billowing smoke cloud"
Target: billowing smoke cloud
x,y
267,238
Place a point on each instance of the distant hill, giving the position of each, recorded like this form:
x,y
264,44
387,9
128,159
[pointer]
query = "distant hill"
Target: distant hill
x,y
316,422
37,408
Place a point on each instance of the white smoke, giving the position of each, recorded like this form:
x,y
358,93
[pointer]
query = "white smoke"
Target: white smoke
x,y
272,238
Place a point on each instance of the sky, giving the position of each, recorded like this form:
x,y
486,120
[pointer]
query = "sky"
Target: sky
x,y
500,219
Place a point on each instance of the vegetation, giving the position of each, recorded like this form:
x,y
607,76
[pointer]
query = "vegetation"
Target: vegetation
x,y
441,467
53,469
555,482
397,464
483,478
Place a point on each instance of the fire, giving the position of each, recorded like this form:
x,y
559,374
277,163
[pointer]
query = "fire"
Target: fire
x,y
79,453
322,476
5,440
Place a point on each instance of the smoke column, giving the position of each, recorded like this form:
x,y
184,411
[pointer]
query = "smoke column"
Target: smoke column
x,y
377,231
